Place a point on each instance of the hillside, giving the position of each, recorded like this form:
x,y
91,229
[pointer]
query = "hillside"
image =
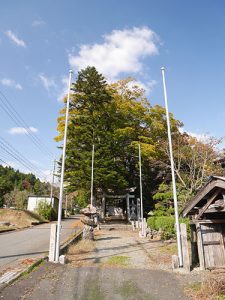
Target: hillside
x,y
15,187
19,218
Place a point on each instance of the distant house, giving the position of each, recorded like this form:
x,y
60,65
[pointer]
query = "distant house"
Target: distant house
x,y
33,202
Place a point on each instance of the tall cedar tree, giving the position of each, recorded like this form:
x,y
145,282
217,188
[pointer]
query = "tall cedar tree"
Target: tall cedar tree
x,y
115,118
91,122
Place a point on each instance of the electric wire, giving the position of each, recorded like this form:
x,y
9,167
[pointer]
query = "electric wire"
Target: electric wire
x,y
5,163
19,121
9,149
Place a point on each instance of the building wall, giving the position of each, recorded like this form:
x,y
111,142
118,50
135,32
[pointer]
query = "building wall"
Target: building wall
x,y
34,201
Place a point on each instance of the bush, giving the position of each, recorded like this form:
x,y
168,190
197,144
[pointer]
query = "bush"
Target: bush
x,y
166,224
46,211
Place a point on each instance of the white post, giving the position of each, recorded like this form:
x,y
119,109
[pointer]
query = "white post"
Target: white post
x,y
173,173
62,172
92,174
52,185
66,205
142,219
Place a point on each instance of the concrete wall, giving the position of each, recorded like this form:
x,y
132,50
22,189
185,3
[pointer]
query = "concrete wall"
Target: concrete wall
x,y
33,202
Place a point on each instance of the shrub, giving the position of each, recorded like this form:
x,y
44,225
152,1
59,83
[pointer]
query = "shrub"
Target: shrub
x,y
166,224
46,211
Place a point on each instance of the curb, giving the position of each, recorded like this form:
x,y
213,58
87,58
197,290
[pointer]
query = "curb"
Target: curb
x,y
29,269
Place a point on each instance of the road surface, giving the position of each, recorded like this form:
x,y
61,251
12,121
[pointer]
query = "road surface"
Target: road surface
x,y
31,242
101,274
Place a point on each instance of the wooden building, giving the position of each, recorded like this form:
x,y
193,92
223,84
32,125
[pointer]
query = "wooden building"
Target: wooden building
x,y
207,213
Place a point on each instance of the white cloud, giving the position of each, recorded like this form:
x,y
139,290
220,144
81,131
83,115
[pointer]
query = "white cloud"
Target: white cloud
x,y
122,51
47,82
64,89
147,86
36,23
11,83
201,137
47,177
15,39
22,130
18,86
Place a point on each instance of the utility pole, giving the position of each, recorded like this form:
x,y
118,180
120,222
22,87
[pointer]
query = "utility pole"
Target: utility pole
x,y
92,174
53,179
141,198
62,172
172,172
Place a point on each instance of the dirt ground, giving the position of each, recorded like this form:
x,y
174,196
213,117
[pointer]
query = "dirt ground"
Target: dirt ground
x,y
19,218
118,265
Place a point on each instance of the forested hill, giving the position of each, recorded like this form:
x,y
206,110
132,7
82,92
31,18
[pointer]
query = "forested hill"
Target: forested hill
x,y
16,186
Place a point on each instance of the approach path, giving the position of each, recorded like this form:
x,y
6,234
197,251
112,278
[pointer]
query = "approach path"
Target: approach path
x,y
117,266
31,242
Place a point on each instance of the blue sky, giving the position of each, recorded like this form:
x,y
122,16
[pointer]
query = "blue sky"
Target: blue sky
x,y
41,40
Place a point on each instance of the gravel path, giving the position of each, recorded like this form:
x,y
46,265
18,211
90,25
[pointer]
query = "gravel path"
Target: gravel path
x,y
120,266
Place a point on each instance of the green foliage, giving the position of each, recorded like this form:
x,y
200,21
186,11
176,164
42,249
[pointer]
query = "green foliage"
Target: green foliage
x,y
82,198
15,186
167,225
21,198
46,211
116,118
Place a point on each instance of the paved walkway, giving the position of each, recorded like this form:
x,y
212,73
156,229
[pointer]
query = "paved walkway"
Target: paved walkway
x,y
118,266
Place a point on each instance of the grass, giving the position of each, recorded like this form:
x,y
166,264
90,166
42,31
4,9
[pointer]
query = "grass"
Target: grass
x,y
83,246
6,228
19,218
169,249
34,266
129,290
93,291
118,261
212,288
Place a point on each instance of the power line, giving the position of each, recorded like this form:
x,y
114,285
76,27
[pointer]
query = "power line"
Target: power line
x,y
4,162
19,121
9,149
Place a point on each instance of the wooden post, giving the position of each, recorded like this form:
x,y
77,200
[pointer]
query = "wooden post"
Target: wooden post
x,y
194,246
103,206
128,206
184,244
200,247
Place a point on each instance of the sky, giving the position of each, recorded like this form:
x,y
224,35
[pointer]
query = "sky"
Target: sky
x,y
40,41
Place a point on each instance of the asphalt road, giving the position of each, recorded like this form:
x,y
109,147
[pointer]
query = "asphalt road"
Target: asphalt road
x,y
31,242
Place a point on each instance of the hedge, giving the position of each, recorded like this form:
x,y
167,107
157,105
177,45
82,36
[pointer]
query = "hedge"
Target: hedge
x,y
167,225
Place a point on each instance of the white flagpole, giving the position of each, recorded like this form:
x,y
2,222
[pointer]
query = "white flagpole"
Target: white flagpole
x,y
140,170
92,173
62,172
173,173
52,185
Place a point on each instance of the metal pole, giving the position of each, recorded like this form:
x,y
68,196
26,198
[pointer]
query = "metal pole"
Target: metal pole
x,y
62,172
52,185
173,173
142,217
92,173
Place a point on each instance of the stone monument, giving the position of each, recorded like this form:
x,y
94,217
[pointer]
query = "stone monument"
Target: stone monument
x,y
90,221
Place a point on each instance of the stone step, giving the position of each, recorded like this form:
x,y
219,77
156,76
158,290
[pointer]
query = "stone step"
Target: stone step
x,y
119,227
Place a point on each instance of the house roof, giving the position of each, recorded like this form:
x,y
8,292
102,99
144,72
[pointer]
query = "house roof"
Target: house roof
x,y
214,182
33,196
